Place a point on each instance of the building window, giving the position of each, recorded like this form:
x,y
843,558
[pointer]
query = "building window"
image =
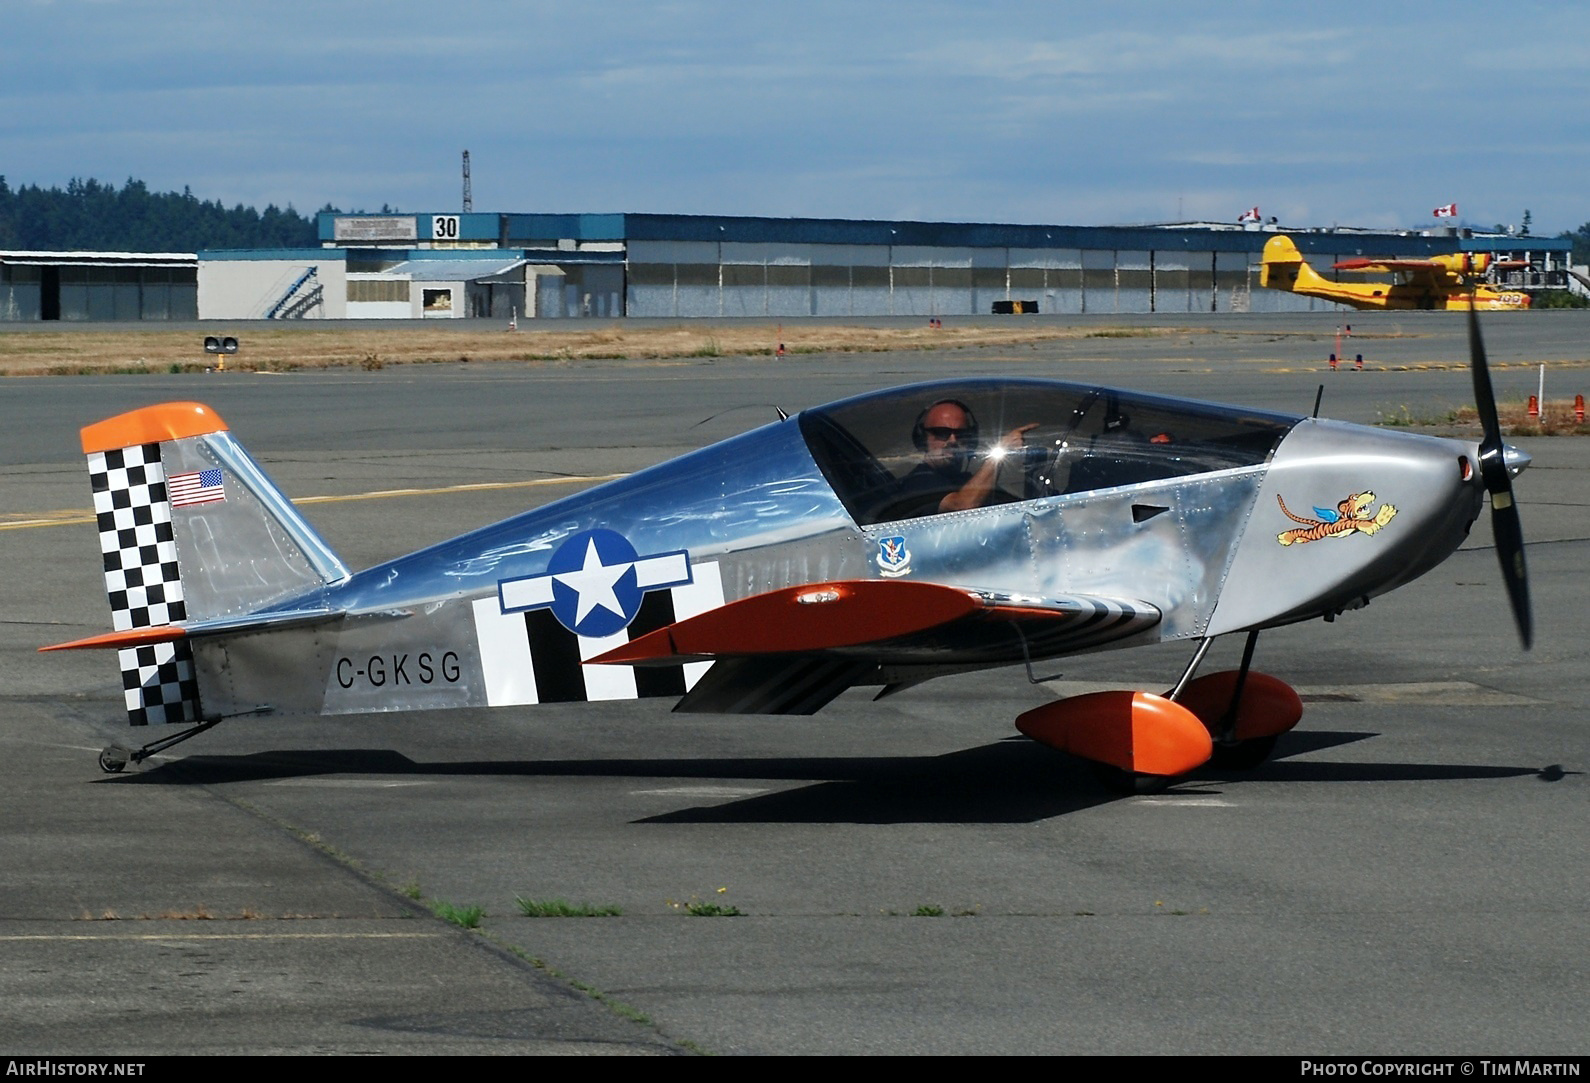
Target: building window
x,y
385,289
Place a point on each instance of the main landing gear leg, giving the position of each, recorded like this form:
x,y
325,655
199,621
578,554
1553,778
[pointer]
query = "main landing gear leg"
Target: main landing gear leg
x,y
114,758
1244,711
1231,753
1192,667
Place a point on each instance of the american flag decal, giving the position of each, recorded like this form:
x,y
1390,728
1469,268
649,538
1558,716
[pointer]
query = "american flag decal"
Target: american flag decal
x,y
196,487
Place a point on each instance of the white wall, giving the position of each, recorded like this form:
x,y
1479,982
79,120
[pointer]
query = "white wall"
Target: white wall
x,y
245,289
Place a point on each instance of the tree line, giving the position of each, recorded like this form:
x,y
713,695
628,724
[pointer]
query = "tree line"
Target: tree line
x,y
1581,243
88,215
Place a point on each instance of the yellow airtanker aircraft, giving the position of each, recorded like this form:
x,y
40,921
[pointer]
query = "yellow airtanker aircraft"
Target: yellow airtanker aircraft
x,y
1446,281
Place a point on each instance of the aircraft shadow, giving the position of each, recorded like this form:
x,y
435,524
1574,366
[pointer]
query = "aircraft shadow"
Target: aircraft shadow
x,y
1008,781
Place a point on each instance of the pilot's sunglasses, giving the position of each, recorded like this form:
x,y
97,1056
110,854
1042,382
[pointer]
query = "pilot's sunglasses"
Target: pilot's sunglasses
x,y
940,432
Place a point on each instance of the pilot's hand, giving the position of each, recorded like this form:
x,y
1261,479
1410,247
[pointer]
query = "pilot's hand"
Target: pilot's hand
x,y
1015,439
975,493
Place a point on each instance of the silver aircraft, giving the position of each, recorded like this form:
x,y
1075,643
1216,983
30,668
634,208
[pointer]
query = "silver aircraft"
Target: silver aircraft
x,y
883,540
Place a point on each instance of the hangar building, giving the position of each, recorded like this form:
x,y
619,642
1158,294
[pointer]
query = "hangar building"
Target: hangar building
x,y
657,265
503,266
78,286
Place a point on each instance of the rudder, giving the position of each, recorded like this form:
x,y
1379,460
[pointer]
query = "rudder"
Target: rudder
x,y
1284,267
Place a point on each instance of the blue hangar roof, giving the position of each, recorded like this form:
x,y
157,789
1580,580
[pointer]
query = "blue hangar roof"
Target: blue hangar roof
x,y
545,230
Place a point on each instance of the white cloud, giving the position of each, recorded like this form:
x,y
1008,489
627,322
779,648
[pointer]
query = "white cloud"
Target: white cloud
x,y
1015,111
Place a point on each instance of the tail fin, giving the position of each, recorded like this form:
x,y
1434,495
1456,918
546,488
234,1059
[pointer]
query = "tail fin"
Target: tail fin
x,y
1284,267
191,529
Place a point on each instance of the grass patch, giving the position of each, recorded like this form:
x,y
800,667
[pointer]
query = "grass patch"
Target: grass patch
x,y
1559,299
1556,419
154,350
618,1007
709,348
1403,418
562,908
465,917
696,907
928,911
196,913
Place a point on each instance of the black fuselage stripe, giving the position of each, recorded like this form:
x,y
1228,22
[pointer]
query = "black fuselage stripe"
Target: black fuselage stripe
x,y
555,658
656,611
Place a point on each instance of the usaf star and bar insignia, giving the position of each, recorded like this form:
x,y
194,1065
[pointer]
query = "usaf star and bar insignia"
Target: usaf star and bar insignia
x,y
595,583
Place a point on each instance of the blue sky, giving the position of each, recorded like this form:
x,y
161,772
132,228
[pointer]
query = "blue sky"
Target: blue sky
x,y
1362,114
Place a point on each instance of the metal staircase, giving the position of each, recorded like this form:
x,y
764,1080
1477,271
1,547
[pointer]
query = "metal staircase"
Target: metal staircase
x,y
303,303
288,307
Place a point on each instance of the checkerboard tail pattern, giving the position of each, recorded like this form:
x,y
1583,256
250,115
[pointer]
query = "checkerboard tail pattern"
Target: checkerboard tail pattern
x,y
142,581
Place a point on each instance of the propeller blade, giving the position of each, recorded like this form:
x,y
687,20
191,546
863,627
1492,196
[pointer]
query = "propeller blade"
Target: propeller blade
x,y
1505,523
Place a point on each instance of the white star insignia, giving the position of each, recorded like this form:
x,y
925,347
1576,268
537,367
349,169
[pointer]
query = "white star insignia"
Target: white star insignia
x,y
593,583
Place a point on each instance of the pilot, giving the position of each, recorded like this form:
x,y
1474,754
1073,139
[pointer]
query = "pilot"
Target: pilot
x,y
950,477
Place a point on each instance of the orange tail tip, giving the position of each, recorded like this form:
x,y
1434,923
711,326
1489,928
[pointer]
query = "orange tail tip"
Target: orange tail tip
x,y
151,425
1135,731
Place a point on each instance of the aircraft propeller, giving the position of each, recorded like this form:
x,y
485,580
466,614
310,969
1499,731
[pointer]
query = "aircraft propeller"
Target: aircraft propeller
x,y
1505,524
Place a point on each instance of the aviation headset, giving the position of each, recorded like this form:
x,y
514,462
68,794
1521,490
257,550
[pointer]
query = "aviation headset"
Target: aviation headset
x,y
919,430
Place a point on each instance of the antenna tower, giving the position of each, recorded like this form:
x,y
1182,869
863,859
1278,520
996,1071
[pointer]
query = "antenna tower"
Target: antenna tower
x,y
469,202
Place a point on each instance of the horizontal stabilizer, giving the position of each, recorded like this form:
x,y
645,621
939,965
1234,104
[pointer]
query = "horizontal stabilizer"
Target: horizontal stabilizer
x,y
169,633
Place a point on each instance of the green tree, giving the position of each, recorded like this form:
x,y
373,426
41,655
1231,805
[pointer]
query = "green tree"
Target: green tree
x,y
90,215
1581,243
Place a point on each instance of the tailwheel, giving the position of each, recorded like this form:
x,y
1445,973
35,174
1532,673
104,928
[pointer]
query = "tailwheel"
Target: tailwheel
x,y
114,758
1242,755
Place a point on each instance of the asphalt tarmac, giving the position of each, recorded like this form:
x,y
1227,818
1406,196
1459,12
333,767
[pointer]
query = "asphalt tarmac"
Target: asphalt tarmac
x,y
1406,876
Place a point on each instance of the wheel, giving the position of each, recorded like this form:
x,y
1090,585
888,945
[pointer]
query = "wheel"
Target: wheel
x,y
1130,783
112,759
1243,755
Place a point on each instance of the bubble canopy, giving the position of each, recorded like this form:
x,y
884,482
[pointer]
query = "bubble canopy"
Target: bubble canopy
x,y
1078,438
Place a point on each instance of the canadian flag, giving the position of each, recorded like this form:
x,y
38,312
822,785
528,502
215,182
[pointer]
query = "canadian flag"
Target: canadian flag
x,y
1448,211
1249,215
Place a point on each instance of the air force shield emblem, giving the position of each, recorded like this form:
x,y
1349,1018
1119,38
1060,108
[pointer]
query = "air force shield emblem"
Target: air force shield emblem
x,y
894,559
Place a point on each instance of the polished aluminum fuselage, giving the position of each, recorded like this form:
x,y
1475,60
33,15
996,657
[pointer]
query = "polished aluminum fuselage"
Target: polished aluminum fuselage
x,y
757,513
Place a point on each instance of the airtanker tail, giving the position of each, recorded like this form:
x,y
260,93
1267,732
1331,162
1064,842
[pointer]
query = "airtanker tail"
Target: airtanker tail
x,y
1285,269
